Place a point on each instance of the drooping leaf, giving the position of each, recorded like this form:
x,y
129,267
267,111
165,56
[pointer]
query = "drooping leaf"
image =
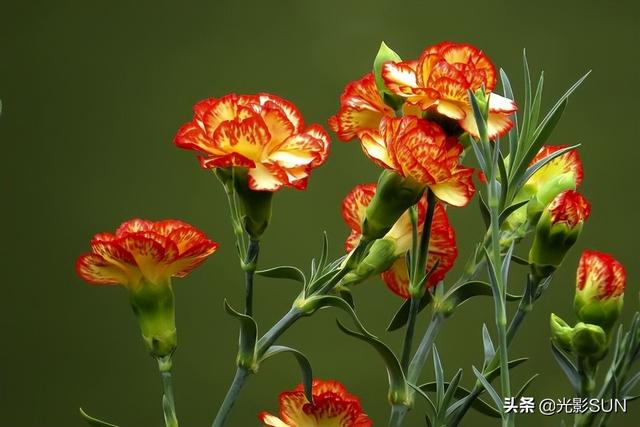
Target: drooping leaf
x,y
394,370
327,301
432,407
457,296
284,272
248,330
94,421
303,361
519,260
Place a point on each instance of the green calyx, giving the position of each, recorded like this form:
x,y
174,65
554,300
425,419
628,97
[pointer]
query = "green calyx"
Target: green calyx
x,y
154,307
256,205
380,257
550,245
604,312
394,195
583,340
545,193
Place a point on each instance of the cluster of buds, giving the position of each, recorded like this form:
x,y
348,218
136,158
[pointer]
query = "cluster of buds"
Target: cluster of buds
x,y
598,303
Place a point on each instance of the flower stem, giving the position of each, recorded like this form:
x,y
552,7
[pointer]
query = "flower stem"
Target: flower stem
x,y
249,267
231,397
168,402
398,412
407,343
420,357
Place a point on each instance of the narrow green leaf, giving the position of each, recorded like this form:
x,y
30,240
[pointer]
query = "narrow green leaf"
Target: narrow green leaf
x,y
394,370
506,263
451,389
525,386
484,210
567,367
303,361
385,54
526,116
487,345
248,329
462,293
402,315
629,385
535,104
432,407
325,252
346,294
462,393
504,180
513,133
94,421
487,386
327,301
493,374
479,117
519,260
439,373
511,209
284,272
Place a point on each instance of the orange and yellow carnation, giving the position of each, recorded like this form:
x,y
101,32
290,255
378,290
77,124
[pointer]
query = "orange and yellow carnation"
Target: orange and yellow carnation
x,y
332,406
440,79
420,150
442,242
361,108
263,133
144,251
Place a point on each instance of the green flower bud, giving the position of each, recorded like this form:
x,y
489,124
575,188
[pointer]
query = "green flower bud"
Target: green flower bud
x,y
589,341
381,256
561,332
600,288
394,195
556,232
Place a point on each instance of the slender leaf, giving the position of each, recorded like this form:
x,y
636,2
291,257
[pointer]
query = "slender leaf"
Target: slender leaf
x,y
421,392
402,315
487,386
567,367
325,251
525,386
457,296
451,389
305,366
479,117
461,393
519,260
94,421
535,103
487,345
284,272
439,373
484,210
513,133
629,385
507,263
326,301
493,374
511,209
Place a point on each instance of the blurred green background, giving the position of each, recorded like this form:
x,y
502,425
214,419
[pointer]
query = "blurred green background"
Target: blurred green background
x,y
93,92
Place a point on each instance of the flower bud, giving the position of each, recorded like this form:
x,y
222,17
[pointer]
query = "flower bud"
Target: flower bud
x,y
600,287
561,332
556,232
394,195
589,340
381,256
154,306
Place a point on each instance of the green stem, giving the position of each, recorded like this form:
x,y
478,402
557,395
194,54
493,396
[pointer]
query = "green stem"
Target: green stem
x,y
407,343
398,412
168,401
420,357
231,397
277,330
249,267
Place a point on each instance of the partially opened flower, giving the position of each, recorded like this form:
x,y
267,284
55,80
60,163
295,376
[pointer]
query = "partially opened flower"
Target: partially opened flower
x,y
143,256
564,172
263,133
332,406
600,284
419,150
361,108
442,244
439,82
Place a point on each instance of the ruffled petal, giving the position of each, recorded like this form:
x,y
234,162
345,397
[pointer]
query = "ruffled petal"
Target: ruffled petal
x,y
271,420
399,77
458,191
397,278
96,270
500,104
267,177
375,147
134,226
355,203
498,124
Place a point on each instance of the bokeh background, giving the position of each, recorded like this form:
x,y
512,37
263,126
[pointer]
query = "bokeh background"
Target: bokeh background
x,y
93,92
